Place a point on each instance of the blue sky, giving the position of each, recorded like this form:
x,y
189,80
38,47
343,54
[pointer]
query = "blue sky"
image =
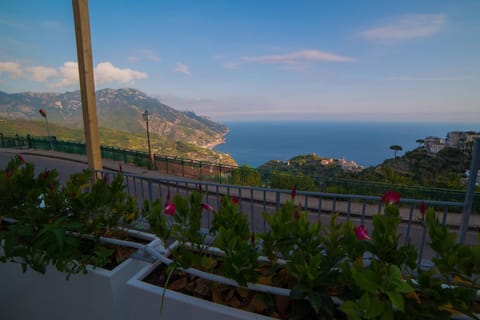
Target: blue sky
x,y
252,60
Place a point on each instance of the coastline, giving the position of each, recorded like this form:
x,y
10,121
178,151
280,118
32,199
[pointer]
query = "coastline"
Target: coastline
x,y
366,143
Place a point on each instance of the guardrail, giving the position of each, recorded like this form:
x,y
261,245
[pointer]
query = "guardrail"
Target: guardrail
x,y
221,173
253,201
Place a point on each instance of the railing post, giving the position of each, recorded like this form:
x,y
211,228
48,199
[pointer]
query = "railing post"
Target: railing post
x,y
183,168
468,203
1,138
29,141
277,200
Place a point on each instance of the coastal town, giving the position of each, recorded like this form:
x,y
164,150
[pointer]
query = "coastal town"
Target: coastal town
x,y
461,140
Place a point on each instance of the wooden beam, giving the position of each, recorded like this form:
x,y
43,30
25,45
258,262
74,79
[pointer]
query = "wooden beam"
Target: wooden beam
x,y
87,83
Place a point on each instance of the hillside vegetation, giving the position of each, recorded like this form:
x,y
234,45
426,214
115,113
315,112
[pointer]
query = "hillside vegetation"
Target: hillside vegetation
x,y
116,138
120,110
416,168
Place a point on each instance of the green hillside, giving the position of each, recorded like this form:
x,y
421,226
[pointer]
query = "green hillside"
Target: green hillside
x,y
116,138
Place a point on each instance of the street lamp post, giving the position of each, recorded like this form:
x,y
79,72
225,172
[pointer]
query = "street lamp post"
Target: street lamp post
x,y
44,114
146,117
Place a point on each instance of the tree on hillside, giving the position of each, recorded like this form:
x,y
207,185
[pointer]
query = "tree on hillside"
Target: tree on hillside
x,y
395,149
420,142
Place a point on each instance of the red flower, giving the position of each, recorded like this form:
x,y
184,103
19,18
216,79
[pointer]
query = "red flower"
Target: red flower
x,y
42,113
46,173
296,215
361,233
208,207
423,209
391,197
235,200
294,192
170,209
22,160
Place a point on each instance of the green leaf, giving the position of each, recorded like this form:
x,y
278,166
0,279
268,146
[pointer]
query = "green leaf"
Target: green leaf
x,y
315,300
351,309
397,300
298,292
367,280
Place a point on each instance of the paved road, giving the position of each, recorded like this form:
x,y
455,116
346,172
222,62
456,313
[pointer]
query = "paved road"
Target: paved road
x,y
67,164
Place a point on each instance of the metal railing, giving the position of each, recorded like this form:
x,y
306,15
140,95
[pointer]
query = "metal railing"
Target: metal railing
x,y
245,176
256,200
253,201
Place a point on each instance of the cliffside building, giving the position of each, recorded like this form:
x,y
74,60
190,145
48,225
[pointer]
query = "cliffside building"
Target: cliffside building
x,y
461,139
434,144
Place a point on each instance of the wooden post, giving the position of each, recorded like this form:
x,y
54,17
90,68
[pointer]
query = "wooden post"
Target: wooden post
x,y
87,84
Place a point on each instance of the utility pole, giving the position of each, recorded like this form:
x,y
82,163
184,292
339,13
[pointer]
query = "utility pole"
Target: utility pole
x,y
87,84
44,115
146,117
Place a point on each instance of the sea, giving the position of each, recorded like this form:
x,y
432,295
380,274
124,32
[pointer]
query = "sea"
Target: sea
x,y
366,143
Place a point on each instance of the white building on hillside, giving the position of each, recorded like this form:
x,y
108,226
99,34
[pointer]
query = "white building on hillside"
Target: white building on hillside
x,y
434,144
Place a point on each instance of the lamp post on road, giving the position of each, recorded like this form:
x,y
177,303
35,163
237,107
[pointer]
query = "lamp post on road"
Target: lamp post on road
x,y
146,117
44,114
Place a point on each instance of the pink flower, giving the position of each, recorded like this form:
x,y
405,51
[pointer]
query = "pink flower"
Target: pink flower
x,y
422,209
361,233
391,197
235,200
22,160
170,209
208,207
294,192
296,215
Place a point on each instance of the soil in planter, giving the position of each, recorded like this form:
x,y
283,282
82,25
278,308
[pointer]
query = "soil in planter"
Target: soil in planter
x,y
120,254
241,298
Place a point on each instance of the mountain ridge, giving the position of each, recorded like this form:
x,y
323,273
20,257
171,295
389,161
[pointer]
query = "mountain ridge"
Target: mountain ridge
x,y
118,109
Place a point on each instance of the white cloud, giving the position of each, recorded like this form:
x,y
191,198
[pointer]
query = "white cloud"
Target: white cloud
x,y
182,68
298,57
295,60
69,74
106,72
41,74
406,27
13,69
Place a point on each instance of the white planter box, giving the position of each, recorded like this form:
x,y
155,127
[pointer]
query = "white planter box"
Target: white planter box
x,y
99,294
145,300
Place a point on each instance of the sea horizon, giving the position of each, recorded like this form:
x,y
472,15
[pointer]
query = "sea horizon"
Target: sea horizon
x,y
367,143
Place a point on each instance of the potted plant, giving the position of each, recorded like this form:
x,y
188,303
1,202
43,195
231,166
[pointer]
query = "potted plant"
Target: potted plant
x,y
300,269
57,242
